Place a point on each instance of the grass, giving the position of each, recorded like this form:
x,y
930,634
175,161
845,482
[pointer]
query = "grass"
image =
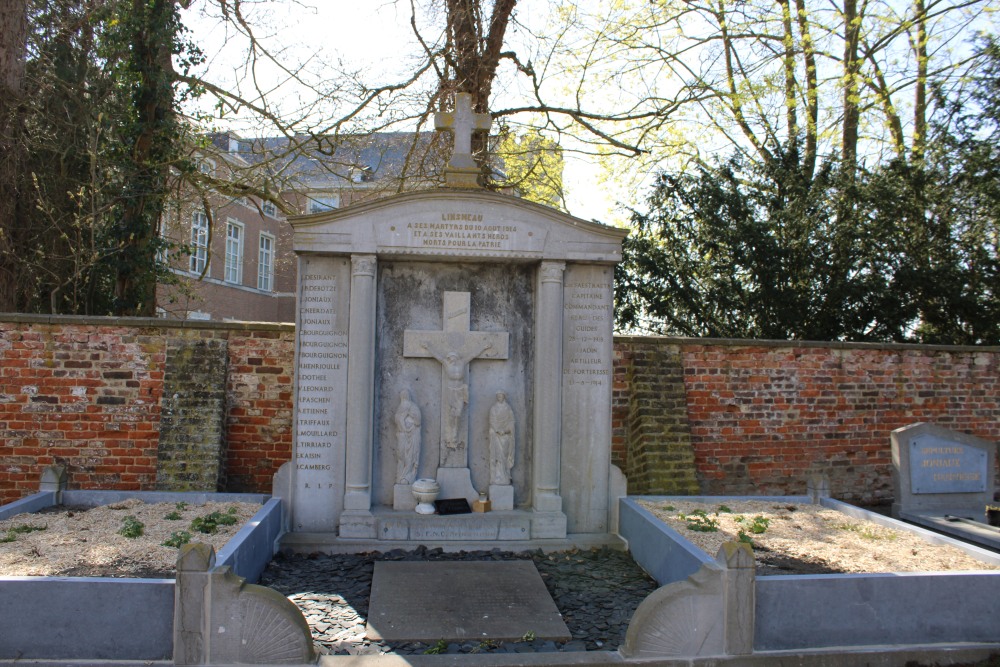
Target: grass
x,y
867,532
20,529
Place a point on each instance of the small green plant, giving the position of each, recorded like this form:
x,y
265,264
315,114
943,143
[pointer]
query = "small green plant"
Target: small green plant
x,y
440,647
177,539
724,509
699,521
209,524
181,506
131,527
486,645
233,510
204,524
669,508
759,525
743,537
528,636
172,516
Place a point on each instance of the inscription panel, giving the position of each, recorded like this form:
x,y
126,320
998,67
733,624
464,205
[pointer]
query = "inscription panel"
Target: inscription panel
x,y
459,233
588,315
320,382
939,465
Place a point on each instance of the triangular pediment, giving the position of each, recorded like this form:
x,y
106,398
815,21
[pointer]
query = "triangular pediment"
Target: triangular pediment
x,y
457,224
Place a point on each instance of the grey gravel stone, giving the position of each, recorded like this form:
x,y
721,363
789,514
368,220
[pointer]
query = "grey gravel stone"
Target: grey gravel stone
x,y
596,591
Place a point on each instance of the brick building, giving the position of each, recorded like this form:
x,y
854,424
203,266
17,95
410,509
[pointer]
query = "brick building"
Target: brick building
x,y
239,263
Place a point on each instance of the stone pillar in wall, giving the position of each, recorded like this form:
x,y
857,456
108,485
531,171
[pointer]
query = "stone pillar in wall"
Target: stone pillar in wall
x,y
548,400
356,520
191,450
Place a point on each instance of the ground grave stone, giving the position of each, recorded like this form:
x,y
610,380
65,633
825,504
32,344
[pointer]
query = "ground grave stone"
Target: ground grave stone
x,y
428,602
945,480
461,337
941,471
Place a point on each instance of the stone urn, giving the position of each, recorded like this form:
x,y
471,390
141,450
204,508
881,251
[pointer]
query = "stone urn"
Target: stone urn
x,y
426,492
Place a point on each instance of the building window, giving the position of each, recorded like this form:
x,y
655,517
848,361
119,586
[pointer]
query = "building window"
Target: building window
x,y
319,202
199,242
206,166
234,252
269,208
265,263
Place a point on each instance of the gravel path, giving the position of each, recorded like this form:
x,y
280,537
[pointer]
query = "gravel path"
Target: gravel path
x,y
596,591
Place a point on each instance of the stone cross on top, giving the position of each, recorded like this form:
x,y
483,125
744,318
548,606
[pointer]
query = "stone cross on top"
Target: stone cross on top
x,y
454,346
462,171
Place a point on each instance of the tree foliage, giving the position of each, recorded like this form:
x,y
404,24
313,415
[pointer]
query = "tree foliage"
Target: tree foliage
x,y
101,139
906,251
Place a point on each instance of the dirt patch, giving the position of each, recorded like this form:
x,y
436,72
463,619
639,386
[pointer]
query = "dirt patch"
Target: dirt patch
x,y
108,542
808,539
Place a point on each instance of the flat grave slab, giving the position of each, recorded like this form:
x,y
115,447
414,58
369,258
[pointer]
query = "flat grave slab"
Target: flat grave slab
x,y
464,601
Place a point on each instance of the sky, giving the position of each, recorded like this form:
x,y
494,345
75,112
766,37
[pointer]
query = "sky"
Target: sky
x,y
374,35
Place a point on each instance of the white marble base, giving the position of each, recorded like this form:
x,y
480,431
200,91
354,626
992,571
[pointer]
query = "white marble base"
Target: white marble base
x,y
501,497
402,497
359,524
548,525
490,526
456,483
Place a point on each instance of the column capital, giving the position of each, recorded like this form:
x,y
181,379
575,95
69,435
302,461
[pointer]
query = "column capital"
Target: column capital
x,y
552,272
363,265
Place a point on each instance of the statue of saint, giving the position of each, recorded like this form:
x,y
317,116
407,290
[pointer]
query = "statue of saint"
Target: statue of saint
x,y
456,391
501,440
407,439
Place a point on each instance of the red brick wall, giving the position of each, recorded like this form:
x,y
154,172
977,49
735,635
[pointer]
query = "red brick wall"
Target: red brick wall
x,y
759,418
259,433
763,416
85,393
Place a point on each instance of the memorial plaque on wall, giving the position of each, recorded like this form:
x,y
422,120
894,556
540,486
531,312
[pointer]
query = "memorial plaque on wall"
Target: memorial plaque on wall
x,y
588,314
320,389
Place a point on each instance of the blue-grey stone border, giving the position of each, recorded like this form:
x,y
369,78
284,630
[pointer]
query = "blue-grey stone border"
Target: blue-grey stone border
x,y
101,618
850,611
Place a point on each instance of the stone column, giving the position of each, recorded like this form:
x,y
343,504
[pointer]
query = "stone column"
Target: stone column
x,y
548,400
360,384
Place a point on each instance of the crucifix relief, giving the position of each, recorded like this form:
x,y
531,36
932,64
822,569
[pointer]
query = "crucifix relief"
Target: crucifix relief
x,y
454,347
463,123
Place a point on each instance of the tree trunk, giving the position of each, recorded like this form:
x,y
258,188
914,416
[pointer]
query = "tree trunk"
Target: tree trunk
x,y
812,88
920,93
852,68
13,35
153,133
477,52
791,103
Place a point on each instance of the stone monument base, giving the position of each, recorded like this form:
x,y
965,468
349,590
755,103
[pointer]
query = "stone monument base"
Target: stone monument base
x,y
502,496
402,497
393,525
511,526
357,524
457,483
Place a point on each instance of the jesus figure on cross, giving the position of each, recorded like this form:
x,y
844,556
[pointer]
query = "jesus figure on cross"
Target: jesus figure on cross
x,y
456,391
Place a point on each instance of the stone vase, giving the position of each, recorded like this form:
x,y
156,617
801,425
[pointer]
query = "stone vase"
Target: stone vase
x,y
426,492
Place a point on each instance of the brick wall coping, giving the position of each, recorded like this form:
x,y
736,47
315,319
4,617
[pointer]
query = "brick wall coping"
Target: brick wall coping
x,y
148,322
835,344
158,322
